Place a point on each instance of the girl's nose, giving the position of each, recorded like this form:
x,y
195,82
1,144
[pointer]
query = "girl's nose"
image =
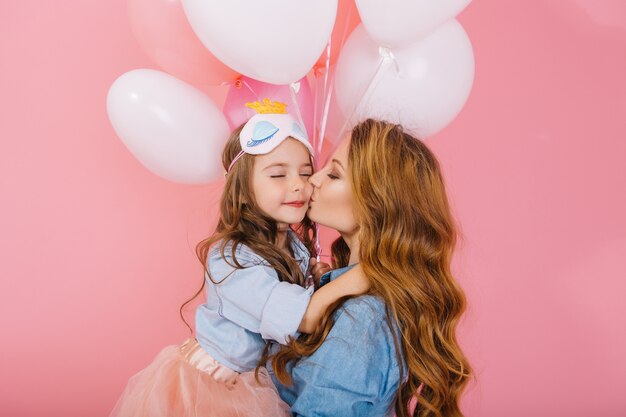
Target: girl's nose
x,y
299,183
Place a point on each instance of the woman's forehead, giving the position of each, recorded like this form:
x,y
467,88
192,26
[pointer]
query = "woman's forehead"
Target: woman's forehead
x,y
341,152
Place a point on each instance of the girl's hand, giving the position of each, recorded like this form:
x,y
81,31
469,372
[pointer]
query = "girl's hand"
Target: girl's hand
x,y
318,269
349,283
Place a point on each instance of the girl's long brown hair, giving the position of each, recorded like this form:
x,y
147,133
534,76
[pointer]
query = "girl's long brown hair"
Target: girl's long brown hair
x,y
243,222
407,237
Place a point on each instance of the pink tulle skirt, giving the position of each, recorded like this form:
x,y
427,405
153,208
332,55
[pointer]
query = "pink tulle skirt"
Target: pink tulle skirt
x,y
185,381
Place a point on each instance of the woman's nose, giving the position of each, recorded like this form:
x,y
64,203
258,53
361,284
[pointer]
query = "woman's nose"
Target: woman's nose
x,y
315,179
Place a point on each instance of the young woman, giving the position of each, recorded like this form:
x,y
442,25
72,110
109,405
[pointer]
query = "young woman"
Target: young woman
x,y
377,353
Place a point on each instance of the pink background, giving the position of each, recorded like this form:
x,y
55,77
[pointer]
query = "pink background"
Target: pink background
x,y
96,253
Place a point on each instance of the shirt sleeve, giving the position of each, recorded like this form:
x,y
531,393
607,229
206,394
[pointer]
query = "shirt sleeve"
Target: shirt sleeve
x,y
254,298
353,373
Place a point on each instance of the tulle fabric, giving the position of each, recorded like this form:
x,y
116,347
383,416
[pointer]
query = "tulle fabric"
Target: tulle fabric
x,y
185,381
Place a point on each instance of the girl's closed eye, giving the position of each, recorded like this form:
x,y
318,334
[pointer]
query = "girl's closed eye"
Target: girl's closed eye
x,y
277,172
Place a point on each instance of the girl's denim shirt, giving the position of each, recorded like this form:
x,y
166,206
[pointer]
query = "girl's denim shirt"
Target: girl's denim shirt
x,y
249,306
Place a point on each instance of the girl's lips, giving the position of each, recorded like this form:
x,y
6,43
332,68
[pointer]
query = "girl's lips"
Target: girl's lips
x,y
297,204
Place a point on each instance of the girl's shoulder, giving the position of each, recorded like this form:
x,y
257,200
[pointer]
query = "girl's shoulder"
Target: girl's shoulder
x,y
222,252
300,251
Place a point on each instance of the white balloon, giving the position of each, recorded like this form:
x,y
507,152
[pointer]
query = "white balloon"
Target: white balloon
x,y
397,23
274,41
172,128
422,87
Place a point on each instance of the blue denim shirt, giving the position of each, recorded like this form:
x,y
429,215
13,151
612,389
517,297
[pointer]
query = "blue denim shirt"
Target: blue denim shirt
x,y
355,372
248,306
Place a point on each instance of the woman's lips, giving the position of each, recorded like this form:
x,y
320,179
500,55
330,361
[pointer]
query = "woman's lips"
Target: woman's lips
x,y
297,204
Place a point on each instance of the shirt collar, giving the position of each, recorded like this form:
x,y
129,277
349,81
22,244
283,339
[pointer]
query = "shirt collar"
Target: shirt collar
x,y
335,273
300,252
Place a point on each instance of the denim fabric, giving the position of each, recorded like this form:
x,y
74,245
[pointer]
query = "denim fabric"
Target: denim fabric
x,y
355,372
249,306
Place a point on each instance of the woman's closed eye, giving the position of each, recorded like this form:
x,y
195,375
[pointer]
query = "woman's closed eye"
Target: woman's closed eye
x,y
332,175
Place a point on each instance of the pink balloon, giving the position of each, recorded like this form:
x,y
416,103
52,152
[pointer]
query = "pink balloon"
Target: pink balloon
x,y
163,31
247,90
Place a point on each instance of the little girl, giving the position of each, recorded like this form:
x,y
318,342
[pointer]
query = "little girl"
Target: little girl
x,y
255,275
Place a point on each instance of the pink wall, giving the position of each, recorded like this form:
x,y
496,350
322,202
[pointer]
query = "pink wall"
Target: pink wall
x,y
96,252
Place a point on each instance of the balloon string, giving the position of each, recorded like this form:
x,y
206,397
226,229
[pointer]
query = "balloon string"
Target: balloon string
x,y
344,36
328,88
324,120
320,131
318,246
386,57
244,82
327,65
250,112
294,101
315,108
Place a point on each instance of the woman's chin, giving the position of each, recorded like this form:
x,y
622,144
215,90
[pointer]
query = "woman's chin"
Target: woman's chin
x,y
312,215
